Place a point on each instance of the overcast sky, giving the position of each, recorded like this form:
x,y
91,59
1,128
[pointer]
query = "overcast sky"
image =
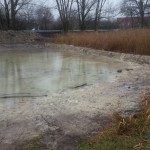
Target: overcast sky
x,y
51,3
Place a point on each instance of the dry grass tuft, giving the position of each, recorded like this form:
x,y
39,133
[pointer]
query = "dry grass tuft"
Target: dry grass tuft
x,y
136,41
136,123
132,132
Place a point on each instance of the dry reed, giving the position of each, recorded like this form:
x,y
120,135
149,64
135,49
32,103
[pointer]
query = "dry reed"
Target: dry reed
x,y
136,41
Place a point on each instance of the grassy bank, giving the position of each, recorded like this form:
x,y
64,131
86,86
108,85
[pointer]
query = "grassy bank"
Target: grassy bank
x,y
127,41
129,133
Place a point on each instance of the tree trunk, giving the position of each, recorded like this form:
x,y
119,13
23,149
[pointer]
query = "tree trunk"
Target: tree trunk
x,y
8,20
65,24
12,14
96,22
142,20
96,15
7,14
82,25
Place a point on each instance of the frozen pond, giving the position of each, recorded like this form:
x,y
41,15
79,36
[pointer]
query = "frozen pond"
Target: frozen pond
x,y
74,91
26,71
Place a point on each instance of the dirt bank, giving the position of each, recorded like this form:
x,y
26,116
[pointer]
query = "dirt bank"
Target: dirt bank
x,y
67,117
12,37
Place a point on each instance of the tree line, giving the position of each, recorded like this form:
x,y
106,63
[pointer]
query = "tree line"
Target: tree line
x,y
73,14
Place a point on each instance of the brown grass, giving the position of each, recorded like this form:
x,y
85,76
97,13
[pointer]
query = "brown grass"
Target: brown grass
x,y
125,133
127,41
134,124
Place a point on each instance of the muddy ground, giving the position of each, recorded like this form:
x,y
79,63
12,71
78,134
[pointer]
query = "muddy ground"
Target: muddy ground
x,y
12,37
66,118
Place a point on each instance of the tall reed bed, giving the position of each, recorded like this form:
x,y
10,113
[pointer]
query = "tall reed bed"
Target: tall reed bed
x,y
136,41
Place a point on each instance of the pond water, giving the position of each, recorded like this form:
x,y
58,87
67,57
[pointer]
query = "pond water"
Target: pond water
x,y
30,72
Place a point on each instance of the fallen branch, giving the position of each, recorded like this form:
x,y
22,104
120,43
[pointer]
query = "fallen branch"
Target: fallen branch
x,y
78,86
20,96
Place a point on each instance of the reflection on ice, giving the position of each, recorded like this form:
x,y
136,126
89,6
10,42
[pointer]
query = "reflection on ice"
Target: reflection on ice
x,y
43,72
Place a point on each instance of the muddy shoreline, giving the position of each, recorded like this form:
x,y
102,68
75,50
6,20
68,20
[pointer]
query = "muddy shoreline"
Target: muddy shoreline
x,y
67,117
141,59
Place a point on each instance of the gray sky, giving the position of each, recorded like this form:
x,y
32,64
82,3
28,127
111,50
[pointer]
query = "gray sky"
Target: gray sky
x,y
51,3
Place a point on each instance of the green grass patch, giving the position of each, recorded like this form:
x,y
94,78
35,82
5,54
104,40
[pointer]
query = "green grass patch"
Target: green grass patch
x,y
34,144
117,143
32,147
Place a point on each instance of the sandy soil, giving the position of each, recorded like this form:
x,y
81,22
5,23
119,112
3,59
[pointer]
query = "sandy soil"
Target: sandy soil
x,y
67,117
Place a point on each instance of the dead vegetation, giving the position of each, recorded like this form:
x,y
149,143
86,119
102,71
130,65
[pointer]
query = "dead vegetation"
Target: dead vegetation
x,y
132,132
13,37
135,41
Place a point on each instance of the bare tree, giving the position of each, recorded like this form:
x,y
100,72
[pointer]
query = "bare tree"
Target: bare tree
x,y
64,8
1,16
12,8
111,11
16,6
136,8
98,11
74,24
128,9
44,17
26,18
7,12
84,7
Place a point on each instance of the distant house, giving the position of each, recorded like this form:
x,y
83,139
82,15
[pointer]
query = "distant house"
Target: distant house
x,y
130,22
